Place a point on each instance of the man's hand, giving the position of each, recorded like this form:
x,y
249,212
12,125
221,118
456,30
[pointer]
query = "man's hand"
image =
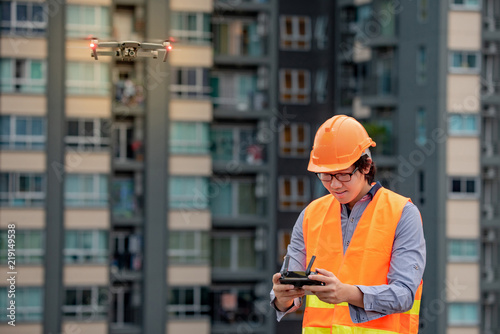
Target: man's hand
x,y
285,293
334,291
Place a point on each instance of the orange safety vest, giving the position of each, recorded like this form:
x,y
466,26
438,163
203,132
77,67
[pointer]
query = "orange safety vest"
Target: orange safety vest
x,y
365,262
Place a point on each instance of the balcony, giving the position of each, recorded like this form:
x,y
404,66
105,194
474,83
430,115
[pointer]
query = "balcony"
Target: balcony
x,y
491,30
240,41
241,5
491,92
380,91
237,150
128,98
238,92
238,201
126,204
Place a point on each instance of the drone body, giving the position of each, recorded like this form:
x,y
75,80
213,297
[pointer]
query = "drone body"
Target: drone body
x,y
129,50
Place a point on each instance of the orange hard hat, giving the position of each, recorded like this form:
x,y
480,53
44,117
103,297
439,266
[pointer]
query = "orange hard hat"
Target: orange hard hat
x,y
339,142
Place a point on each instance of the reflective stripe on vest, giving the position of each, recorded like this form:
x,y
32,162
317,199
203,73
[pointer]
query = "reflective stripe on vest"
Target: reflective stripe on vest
x,y
365,262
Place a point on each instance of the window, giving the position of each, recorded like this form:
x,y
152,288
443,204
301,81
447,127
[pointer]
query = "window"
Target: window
x,y
421,124
90,78
463,250
189,138
293,192
190,82
86,303
86,190
295,32
238,197
237,144
187,247
320,85
234,302
321,32
234,251
422,11
465,62
191,27
188,192
29,247
22,189
463,314
84,246
83,21
463,124
295,86
294,140
88,134
464,187
188,302
422,65
239,36
123,198
22,133
237,90
28,303
466,4
22,75
28,19
126,250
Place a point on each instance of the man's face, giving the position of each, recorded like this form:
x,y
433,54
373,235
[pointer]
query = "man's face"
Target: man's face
x,y
347,192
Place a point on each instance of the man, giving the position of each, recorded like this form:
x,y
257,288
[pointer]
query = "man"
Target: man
x,y
368,242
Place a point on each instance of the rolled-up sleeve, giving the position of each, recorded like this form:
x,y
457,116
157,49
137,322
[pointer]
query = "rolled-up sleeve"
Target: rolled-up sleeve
x,y
405,272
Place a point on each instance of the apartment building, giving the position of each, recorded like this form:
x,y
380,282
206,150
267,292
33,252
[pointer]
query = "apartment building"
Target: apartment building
x,y
422,75
164,218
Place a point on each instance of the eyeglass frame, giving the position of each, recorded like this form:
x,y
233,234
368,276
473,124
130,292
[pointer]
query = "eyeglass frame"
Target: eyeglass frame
x,y
335,176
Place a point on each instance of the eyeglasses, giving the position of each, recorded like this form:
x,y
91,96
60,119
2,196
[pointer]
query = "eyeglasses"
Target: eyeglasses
x,y
342,177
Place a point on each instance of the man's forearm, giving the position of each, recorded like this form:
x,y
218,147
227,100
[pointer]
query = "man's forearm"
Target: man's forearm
x,y
283,307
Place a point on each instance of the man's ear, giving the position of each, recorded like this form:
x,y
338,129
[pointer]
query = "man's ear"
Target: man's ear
x,y
369,163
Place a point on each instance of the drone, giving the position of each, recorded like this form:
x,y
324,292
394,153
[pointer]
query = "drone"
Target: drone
x,y
129,50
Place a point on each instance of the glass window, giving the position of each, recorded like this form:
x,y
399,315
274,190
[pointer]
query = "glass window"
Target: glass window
x,y
26,19
295,32
188,192
187,247
29,247
22,189
28,303
188,302
321,32
295,86
320,85
423,10
463,314
233,252
190,82
294,193
86,246
22,132
86,303
23,75
294,140
463,250
237,144
463,124
422,65
464,62
90,78
233,303
421,126
123,198
85,20
463,187
241,90
191,27
237,197
88,134
240,36
189,138
466,4
86,190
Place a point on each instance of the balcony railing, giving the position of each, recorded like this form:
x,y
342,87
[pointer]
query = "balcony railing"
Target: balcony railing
x,y
383,85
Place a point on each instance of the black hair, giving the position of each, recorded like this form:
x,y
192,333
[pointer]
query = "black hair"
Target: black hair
x,y
362,163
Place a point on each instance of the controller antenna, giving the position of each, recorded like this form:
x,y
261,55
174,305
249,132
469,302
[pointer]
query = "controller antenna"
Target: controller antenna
x,y
308,270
